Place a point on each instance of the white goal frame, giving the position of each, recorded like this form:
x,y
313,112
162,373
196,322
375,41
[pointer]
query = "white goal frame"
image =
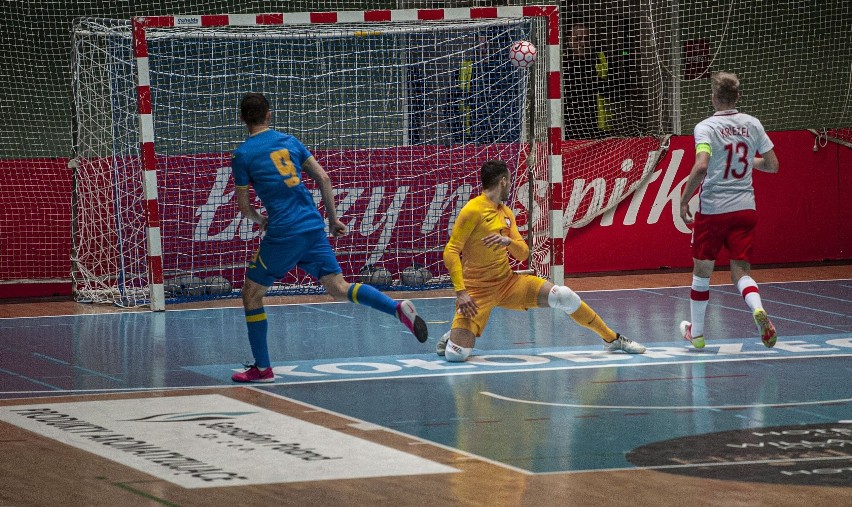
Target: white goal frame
x,y
552,61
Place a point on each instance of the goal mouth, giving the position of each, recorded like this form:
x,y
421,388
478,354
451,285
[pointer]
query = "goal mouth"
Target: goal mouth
x,y
401,113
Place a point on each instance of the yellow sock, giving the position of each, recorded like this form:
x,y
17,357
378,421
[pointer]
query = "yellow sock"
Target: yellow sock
x,y
587,318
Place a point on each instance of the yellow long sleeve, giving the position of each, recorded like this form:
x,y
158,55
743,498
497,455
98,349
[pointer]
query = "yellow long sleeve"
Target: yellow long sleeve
x,y
468,260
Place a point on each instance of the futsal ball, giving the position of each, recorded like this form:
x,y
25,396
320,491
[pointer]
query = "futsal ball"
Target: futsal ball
x,y
184,285
217,286
415,276
522,54
375,275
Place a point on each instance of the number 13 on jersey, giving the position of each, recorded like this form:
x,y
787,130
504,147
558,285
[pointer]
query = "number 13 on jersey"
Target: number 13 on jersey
x,y
741,150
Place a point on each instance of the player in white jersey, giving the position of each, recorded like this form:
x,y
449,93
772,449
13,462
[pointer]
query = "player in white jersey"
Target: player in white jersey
x,y
726,149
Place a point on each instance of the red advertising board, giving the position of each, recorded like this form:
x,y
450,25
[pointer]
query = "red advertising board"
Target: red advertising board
x,y
397,203
803,210
35,225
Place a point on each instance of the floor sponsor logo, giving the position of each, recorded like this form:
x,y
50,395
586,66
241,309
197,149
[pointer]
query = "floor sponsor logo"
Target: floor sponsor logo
x,y
811,454
212,440
565,358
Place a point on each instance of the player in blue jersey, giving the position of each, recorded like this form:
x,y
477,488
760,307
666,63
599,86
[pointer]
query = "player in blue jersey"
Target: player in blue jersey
x,y
273,163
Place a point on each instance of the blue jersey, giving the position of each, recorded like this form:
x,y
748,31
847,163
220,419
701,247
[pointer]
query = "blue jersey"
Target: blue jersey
x,y
272,162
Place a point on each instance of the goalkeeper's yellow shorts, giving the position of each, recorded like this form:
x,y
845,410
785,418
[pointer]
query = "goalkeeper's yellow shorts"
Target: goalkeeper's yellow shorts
x,y
517,292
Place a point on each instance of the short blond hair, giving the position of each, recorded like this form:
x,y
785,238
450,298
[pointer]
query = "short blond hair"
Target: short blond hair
x,y
726,87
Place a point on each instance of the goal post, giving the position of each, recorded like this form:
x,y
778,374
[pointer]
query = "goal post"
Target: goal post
x,y
401,107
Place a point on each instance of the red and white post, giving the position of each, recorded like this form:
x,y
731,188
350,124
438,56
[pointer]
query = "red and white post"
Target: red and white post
x,y
552,61
153,239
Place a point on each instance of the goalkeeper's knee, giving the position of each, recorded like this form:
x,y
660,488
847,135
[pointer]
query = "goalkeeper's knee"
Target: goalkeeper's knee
x,y
456,354
563,298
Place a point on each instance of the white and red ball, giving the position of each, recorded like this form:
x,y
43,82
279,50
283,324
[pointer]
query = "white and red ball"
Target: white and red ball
x,y
522,54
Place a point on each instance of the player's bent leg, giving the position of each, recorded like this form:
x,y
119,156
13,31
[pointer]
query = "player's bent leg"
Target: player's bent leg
x,y
563,298
567,300
368,295
751,294
336,286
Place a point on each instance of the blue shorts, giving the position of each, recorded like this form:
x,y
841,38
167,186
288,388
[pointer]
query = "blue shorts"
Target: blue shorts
x,y
311,251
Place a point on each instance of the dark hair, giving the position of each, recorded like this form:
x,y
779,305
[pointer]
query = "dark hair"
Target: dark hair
x,y
253,108
491,173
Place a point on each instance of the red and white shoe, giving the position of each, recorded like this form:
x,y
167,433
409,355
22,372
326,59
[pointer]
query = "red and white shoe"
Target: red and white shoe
x,y
686,332
254,374
767,331
407,314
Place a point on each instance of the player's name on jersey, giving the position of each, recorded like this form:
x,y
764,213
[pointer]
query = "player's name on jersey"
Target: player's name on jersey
x,y
734,131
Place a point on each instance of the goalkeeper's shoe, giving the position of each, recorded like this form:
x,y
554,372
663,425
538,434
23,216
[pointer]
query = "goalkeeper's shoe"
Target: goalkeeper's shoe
x,y
686,332
622,343
767,331
441,346
254,374
407,314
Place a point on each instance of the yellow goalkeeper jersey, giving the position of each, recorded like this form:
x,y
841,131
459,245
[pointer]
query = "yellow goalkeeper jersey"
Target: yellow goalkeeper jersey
x,y
468,260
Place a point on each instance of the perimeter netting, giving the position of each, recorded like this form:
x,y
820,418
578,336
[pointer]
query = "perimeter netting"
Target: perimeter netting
x,y
793,59
400,114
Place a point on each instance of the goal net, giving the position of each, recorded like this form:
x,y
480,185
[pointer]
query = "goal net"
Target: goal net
x,y
793,59
635,72
400,111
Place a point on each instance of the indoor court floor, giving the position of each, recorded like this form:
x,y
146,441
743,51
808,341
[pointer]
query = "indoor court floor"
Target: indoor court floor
x,y
137,408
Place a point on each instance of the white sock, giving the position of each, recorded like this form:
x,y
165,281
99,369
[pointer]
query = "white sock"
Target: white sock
x,y
456,354
699,296
748,288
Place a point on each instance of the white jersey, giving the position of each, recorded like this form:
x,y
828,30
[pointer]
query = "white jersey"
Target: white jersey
x,y
734,138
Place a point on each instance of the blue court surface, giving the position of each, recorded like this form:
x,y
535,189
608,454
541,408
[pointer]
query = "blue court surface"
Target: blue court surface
x,y
540,394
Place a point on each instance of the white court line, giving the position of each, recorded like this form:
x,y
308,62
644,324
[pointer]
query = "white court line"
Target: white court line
x,y
663,407
697,465
821,296
144,310
515,371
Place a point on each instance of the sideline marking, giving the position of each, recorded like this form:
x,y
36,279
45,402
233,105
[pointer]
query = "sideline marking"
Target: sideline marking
x,y
514,369
110,310
660,407
694,465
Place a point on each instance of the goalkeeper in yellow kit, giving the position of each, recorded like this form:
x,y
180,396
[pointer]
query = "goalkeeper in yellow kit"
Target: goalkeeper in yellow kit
x,y
476,258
